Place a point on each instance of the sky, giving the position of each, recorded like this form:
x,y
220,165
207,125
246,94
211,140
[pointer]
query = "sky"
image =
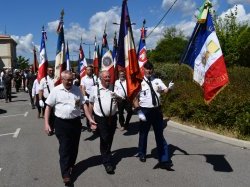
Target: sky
x,y
23,21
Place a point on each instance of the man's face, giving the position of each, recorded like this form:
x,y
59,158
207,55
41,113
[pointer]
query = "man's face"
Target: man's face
x,y
105,79
50,72
122,76
148,72
67,81
89,71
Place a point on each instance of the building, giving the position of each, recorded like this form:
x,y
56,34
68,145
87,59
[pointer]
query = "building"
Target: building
x,y
7,52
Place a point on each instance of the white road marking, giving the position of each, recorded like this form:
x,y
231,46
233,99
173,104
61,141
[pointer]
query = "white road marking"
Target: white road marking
x,y
16,133
0,169
14,115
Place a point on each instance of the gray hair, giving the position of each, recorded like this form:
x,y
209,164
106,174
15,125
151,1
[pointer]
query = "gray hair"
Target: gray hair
x,y
66,72
102,72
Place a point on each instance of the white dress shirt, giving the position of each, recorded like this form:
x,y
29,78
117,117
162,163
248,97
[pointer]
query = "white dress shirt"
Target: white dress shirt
x,y
44,83
145,97
88,83
105,96
67,103
35,88
119,89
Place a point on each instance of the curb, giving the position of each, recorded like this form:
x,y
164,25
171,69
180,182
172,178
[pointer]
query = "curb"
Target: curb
x,y
232,141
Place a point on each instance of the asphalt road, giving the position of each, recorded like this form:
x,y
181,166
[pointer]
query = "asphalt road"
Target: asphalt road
x,y
28,157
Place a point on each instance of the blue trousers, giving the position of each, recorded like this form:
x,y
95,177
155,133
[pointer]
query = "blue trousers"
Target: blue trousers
x,y
155,118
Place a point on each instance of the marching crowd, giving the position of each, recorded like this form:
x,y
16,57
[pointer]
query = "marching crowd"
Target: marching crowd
x,y
103,105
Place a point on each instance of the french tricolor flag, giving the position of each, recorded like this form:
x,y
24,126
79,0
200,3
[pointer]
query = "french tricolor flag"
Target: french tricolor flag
x,y
82,62
127,54
205,56
60,62
142,50
42,70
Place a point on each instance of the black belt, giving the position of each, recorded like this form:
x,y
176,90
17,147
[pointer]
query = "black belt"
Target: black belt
x,y
71,119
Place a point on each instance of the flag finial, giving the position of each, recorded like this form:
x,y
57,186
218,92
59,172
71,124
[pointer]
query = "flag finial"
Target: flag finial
x,y
62,14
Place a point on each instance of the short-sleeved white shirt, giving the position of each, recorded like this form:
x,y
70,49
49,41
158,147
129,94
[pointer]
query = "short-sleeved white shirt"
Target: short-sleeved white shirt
x,y
35,88
43,85
105,96
88,83
119,89
145,97
67,103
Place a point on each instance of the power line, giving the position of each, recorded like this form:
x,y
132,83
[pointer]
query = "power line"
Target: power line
x,y
162,18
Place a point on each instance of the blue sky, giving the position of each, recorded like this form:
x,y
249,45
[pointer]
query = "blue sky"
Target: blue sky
x,y
23,20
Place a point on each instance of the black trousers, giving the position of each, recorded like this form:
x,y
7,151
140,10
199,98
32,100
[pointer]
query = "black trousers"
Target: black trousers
x,y
106,129
68,132
124,105
7,93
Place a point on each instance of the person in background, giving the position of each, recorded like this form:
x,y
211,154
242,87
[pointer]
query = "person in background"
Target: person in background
x,y
17,80
35,96
87,82
121,87
67,101
149,111
7,77
30,78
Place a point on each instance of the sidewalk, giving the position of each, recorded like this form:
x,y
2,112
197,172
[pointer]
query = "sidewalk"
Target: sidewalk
x,y
232,141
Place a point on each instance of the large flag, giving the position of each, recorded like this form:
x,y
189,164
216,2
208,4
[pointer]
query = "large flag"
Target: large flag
x,y
60,62
35,63
114,55
42,71
205,56
96,61
67,58
142,51
82,63
107,63
127,54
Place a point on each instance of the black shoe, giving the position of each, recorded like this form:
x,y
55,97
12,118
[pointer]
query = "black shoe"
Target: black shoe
x,y
33,107
142,158
109,169
165,165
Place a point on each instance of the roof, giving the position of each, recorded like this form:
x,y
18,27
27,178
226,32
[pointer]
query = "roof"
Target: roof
x,y
7,37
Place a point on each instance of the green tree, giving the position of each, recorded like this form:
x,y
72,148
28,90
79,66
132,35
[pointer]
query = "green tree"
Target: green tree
x,y
234,39
22,62
170,48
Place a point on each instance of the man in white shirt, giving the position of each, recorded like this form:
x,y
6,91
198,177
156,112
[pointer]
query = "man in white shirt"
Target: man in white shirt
x,y
121,87
103,102
87,82
67,101
46,86
149,112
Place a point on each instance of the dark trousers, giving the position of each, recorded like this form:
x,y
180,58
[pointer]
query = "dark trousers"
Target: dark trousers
x,y
40,109
106,129
31,98
155,118
68,133
7,93
124,105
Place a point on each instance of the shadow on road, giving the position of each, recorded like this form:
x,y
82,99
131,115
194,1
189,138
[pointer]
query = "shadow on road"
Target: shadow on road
x,y
119,154
218,162
2,111
23,100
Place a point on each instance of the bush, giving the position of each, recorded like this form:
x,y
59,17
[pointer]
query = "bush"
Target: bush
x,y
230,109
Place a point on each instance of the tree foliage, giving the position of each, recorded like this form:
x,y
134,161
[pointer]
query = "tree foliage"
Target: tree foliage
x,y
170,48
22,62
234,39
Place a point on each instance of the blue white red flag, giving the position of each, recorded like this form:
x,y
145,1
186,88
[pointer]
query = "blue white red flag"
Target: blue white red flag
x,y
67,58
82,62
127,54
60,62
42,70
142,51
204,56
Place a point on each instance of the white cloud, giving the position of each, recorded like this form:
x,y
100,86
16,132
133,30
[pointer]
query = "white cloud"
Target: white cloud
x,y
186,27
241,17
187,6
24,44
233,2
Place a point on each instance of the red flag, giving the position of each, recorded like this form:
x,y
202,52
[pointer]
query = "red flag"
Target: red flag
x,y
127,54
